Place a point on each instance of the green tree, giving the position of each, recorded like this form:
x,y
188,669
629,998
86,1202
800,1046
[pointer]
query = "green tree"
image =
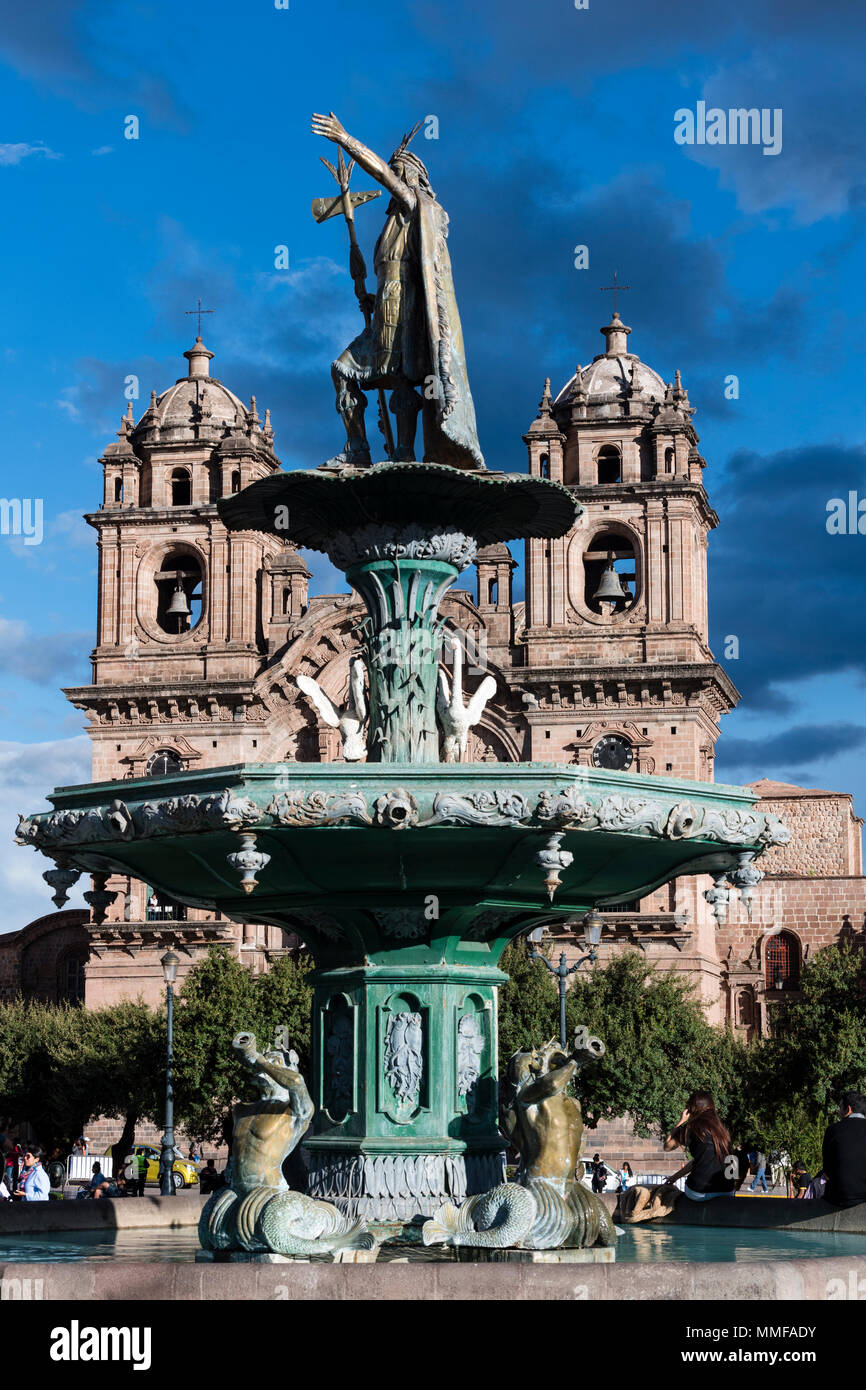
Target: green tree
x,y
528,1003
791,1082
659,1045
220,997
61,1066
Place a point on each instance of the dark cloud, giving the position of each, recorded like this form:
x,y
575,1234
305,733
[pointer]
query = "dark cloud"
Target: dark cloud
x,y
63,47
801,745
821,167
793,594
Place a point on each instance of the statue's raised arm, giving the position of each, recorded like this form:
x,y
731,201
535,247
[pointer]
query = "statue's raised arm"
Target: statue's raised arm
x,y
331,129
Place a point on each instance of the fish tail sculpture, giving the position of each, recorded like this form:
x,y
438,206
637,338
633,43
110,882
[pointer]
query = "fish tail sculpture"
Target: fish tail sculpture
x,y
503,1216
293,1224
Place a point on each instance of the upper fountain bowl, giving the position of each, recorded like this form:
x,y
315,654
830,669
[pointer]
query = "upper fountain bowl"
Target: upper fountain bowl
x,y
312,506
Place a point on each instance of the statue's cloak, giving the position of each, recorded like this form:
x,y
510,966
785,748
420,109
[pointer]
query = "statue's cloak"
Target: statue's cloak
x,y
450,432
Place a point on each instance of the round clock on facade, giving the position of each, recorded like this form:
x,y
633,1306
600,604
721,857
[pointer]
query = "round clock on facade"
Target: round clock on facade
x,y
613,752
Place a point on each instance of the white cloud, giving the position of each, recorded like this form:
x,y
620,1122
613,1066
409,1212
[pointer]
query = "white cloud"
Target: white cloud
x,y
27,772
14,154
103,149
65,402
40,657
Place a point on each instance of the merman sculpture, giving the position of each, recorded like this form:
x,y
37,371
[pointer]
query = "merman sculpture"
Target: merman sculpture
x,y
547,1208
259,1213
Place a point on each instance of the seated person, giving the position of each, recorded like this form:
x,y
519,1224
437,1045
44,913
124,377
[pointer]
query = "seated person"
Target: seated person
x,y
714,1165
844,1153
99,1183
209,1178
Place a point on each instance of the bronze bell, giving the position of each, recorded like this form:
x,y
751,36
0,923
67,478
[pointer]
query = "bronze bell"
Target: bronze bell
x,y
179,605
609,587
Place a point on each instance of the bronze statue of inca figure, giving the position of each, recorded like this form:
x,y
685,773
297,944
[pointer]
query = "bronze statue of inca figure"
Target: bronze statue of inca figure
x,y
258,1212
547,1208
412,338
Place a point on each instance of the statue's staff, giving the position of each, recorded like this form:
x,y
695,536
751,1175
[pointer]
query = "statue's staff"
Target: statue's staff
x,y
323,208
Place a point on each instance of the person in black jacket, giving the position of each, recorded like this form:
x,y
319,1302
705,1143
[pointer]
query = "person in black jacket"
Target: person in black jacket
x,y
844,1153
714,1166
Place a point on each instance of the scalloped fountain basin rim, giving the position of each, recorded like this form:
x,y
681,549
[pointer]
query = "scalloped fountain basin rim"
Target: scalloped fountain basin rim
x,y
395,830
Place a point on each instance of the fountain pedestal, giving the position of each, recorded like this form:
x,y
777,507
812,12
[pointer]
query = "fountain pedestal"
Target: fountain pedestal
x,y
407,1100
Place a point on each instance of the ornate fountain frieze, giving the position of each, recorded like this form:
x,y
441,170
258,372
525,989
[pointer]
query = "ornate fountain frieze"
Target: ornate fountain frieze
x,y
399,808
479,808
389,542
394,1187
404,1055
319,808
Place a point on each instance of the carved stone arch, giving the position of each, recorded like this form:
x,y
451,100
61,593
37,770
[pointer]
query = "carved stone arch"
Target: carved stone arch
x,y
146,598
138,759
492,741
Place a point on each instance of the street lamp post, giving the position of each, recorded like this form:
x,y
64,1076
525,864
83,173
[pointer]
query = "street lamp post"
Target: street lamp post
x,y
592,925
169,963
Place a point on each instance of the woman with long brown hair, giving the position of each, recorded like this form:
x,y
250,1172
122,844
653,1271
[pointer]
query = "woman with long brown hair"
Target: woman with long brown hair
x,y
713,1168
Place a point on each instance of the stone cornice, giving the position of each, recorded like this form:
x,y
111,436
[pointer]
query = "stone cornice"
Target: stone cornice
x,y
663,490
688,676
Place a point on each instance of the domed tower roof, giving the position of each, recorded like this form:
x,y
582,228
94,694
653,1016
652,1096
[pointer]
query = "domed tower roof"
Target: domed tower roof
x,y
197,408
612,378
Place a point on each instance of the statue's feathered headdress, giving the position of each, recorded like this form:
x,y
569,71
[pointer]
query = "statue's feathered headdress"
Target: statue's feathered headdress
x,y
403,154
407,139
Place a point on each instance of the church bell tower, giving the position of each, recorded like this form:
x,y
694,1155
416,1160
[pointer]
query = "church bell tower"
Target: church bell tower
x,y
617,662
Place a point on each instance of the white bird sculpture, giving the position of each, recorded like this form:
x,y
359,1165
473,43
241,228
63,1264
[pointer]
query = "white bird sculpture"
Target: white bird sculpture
x,y
456,717
351,718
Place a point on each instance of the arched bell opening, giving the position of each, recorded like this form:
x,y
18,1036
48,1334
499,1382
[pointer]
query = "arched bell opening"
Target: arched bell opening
x,y
179,593
610,574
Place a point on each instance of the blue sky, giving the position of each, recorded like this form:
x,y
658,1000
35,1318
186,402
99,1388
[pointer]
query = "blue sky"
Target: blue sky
x,y
555,129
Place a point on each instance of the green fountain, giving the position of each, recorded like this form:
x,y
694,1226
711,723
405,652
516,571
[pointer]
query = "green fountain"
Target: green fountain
x,y
404,874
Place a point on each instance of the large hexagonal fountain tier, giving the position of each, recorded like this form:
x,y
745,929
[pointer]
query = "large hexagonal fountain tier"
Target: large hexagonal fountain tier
x,y
406,883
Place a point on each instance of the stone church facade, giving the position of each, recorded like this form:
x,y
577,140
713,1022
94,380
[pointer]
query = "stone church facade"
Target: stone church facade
x,y
606,662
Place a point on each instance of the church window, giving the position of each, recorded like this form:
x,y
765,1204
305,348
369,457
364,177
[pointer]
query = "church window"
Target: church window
x,y
669,460
118,489
181,488
236,480
610,570
72,979
782,961
492,590
544,465
179,593
609,464
163,762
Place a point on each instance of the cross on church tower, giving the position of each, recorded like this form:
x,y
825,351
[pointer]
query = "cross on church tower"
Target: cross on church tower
x,y
615,287
199,311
